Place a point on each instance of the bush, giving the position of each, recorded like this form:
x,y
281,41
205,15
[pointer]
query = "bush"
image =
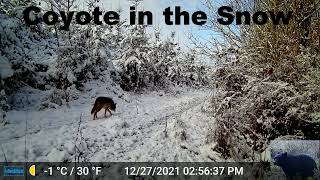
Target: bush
x,y
252,111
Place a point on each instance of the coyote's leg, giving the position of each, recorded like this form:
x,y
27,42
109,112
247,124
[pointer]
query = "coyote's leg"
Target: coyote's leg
x,y
105,112
109,111
94,115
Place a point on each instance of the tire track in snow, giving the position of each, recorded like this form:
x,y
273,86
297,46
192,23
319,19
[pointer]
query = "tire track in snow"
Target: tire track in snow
x,y
175,138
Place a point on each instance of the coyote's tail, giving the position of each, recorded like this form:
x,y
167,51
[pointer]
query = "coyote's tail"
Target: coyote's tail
x,y
94,108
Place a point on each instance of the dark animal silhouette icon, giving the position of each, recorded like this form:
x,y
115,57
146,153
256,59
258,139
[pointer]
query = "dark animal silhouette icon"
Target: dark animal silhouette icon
x,y
103,102
295,166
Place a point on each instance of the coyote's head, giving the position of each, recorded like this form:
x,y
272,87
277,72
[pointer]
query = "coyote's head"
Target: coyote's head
x,y
113,106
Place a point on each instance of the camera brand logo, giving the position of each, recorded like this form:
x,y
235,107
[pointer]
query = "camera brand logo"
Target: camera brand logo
x,y
13,171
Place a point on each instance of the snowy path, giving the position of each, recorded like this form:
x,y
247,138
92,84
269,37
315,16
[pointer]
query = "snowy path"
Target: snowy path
x,y
148,127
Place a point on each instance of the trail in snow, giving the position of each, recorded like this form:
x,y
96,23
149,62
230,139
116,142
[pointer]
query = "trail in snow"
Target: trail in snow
x,y
156,126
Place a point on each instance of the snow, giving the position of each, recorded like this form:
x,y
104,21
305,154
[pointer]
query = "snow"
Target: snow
x,y
153,126
5,68
49,109
71,78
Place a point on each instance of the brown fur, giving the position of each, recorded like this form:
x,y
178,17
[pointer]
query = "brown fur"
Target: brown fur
x,y
103,102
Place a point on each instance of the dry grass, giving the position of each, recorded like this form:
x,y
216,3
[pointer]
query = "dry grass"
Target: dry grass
x,y
272,89
253,110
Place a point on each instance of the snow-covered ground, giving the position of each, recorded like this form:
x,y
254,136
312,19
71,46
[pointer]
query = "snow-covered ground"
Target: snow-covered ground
x,y
154,126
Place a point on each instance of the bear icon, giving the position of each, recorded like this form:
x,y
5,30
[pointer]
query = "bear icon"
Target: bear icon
x,y
295,166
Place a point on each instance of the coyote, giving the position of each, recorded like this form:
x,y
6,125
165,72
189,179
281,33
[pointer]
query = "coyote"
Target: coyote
x,y
103,102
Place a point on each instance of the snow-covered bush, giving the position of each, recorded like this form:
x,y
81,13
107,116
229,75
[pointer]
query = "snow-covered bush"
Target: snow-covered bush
x,y
71,64
87,58
144,63
250,111
23,52
268,77
59,97
33,58
4,107
189,74
3,101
